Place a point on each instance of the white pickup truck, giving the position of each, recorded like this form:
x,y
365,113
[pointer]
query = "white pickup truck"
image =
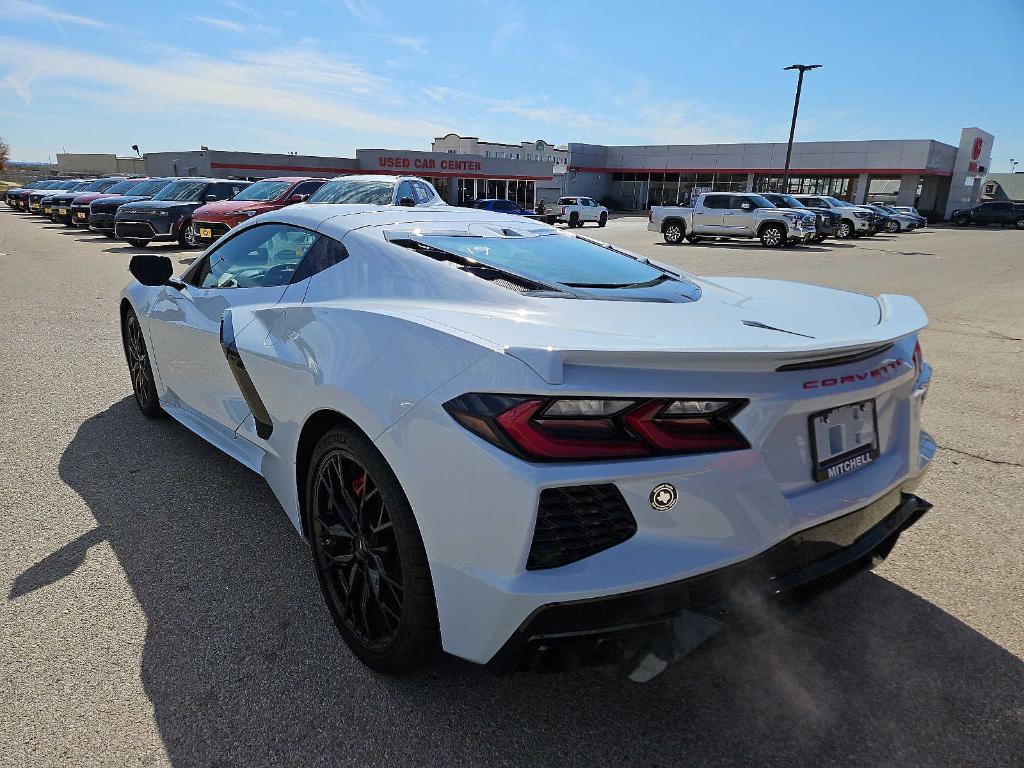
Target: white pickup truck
x,y
575,211
732,214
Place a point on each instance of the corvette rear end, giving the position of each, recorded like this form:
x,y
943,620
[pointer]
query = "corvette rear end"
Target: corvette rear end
x,y
630,498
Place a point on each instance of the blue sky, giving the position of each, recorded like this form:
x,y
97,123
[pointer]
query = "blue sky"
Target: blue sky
x,y
326,77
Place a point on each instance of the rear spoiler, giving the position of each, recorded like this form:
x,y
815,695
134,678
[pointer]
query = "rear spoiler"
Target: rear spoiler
x,y
900,316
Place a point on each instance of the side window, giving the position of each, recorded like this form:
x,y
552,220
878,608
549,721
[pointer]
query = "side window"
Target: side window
x,y
814,202
260,257
325,253
737,201
716,201
423,193
307,187
405,190
504,206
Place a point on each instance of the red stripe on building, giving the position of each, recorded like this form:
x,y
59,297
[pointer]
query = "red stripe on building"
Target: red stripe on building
x,y
386,172
775,171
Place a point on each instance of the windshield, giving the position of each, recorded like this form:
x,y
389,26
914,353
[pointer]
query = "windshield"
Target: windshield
x,y
354,192
837,202
182,191
148,187
552,258
262,191
99,185
121,187
787,201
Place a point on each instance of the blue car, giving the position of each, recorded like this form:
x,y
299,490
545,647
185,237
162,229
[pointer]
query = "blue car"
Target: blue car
x,y
511,207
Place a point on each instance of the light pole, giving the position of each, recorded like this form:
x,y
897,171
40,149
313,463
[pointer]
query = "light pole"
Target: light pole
x,y
792,126
1013,164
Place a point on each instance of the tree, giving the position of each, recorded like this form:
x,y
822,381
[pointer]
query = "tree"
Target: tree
x,y
5,153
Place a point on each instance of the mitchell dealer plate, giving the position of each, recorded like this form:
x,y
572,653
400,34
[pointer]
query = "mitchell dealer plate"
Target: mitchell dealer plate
x,y
843,439
203,232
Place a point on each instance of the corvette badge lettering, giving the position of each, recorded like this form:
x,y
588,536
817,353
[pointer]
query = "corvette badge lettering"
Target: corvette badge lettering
x,y
883,370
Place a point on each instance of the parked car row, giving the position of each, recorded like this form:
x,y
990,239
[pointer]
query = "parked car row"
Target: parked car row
x,y
195,211
776,219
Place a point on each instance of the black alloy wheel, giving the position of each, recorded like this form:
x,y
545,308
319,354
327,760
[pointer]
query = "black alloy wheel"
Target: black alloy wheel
x,y
962,220
141,371
369,555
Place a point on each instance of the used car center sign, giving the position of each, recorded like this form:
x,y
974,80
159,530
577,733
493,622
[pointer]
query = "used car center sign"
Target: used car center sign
x,y
393,162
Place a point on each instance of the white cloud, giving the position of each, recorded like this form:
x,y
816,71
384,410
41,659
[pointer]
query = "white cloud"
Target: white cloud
x,y
417,44
300,85
230,26
362,10
19,10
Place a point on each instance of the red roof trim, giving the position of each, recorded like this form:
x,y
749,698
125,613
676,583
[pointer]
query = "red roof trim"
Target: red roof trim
x,y
792,171
385,172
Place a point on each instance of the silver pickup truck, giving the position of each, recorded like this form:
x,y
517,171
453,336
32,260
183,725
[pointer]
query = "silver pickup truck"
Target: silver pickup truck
x,y
732,214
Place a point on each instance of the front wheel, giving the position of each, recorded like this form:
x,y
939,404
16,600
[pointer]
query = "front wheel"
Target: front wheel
x,y
673,233
141,371
773,236
369,555
846,230
187,237
892,227
962,220
603,220
1019,223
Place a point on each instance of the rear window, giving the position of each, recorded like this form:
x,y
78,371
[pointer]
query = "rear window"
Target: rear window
x,y
551,258
567,201
343,191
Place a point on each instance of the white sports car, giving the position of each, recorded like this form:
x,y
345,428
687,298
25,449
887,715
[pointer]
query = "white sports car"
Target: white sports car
x,y
531,449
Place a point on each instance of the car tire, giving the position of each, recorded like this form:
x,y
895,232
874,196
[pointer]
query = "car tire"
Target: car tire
x,y
139,368
893,227
1019,223
962,220
846,230
187,235
603,220
773,236
369,556
574,220
137,243
673,232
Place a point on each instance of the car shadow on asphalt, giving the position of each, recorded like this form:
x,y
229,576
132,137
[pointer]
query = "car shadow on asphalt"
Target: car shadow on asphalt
x,y
243,665
746,245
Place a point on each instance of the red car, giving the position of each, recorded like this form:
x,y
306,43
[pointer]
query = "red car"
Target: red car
x,y
77,211
214,219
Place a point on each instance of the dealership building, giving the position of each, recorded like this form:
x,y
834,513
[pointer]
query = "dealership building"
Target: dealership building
x,y
930,174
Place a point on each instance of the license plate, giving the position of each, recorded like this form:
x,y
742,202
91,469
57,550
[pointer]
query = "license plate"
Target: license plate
x,y
62,211
843,439
81,214
47,210
204,232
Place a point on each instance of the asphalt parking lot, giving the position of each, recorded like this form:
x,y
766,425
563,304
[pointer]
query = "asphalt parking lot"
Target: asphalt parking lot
x,y
158,609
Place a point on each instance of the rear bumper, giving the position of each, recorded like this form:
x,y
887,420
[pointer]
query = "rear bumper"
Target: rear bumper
x,y
643,631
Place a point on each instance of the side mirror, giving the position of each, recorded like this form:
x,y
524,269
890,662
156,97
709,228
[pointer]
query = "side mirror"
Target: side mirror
x,y
151,270
746,207
408,202
297,198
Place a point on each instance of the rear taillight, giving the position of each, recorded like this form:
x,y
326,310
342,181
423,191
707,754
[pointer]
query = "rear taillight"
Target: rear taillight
x,y
539,428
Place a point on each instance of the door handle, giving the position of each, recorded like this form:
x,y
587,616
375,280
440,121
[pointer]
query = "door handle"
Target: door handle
x,y
727,213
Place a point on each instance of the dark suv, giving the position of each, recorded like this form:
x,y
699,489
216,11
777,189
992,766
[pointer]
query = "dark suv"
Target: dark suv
x,y
1004,213
168,214
827,224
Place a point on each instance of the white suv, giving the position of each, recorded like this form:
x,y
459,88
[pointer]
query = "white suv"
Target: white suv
x,y
575,211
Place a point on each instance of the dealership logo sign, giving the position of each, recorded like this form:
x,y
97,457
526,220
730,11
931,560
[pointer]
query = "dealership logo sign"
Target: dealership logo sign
x,y
664,497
